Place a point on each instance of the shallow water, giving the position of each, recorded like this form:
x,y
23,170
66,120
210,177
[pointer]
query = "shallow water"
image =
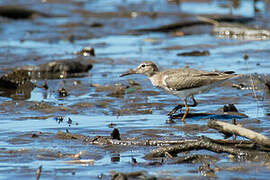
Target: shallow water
x,y
139,115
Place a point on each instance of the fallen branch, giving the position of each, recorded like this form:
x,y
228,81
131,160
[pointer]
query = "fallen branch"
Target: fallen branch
x,y
239,148
106,140
239,131
200,144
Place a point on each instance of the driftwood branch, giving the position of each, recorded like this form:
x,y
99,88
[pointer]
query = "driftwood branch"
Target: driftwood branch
x,y
240,131
200,144
239,148
106,140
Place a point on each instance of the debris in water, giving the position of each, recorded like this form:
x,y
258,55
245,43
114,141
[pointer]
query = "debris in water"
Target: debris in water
x,y
35,135
81,161
245,57
69,121
62,92
194,53
59,119
38,172
115,134
86,51
133,160
229,108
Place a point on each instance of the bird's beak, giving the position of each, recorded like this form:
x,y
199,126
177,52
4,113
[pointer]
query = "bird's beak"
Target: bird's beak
x,y
129,72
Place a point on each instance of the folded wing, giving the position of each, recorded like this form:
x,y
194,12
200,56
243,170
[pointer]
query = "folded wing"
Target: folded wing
x,y
186,78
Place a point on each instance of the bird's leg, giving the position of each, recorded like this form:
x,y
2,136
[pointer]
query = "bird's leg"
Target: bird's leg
x,y
187,107
186,110
179,106
194,102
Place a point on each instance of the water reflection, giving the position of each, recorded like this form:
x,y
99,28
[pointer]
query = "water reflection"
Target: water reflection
x,y
20,93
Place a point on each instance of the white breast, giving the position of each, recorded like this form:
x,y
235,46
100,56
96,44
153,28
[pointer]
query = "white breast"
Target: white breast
x,y
155,81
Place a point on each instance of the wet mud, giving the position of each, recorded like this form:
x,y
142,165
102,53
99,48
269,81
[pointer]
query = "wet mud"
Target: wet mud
x,y
65,112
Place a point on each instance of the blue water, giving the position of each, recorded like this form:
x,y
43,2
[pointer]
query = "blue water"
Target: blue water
x,y
38,41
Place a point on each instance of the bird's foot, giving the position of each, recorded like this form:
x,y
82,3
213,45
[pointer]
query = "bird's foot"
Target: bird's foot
x,y
173,111
174,117
183,118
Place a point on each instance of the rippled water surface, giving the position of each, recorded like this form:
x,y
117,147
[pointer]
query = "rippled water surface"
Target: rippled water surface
x,y
110,28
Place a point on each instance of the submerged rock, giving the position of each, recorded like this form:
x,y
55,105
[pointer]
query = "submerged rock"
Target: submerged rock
x,y
229,108
115,134
16,85
68,66
13,80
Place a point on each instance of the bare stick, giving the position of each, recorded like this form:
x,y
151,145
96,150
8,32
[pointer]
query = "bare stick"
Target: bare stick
x,y
240,131
199,144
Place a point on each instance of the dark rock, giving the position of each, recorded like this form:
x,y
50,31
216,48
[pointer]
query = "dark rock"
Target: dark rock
x,y
115,134
45,85
57,69
96,25
34,135
62,92
68,66
268,85
245,57
229,108
119,176
134,161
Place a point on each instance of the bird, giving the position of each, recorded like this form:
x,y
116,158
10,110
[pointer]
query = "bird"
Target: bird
x,y
183,82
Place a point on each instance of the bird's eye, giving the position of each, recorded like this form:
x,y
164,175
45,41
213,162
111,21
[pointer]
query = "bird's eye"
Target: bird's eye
x,y
143,65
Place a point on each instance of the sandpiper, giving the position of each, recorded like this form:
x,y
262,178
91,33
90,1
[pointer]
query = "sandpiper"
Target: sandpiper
x,y
183,82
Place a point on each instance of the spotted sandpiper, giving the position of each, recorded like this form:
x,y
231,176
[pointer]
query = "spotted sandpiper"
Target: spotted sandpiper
x,y
183,82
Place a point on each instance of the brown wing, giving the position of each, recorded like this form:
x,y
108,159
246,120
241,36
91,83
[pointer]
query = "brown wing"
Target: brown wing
x,y
185,78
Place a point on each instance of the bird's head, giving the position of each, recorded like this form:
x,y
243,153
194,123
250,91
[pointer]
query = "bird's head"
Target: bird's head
x,y
147,68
